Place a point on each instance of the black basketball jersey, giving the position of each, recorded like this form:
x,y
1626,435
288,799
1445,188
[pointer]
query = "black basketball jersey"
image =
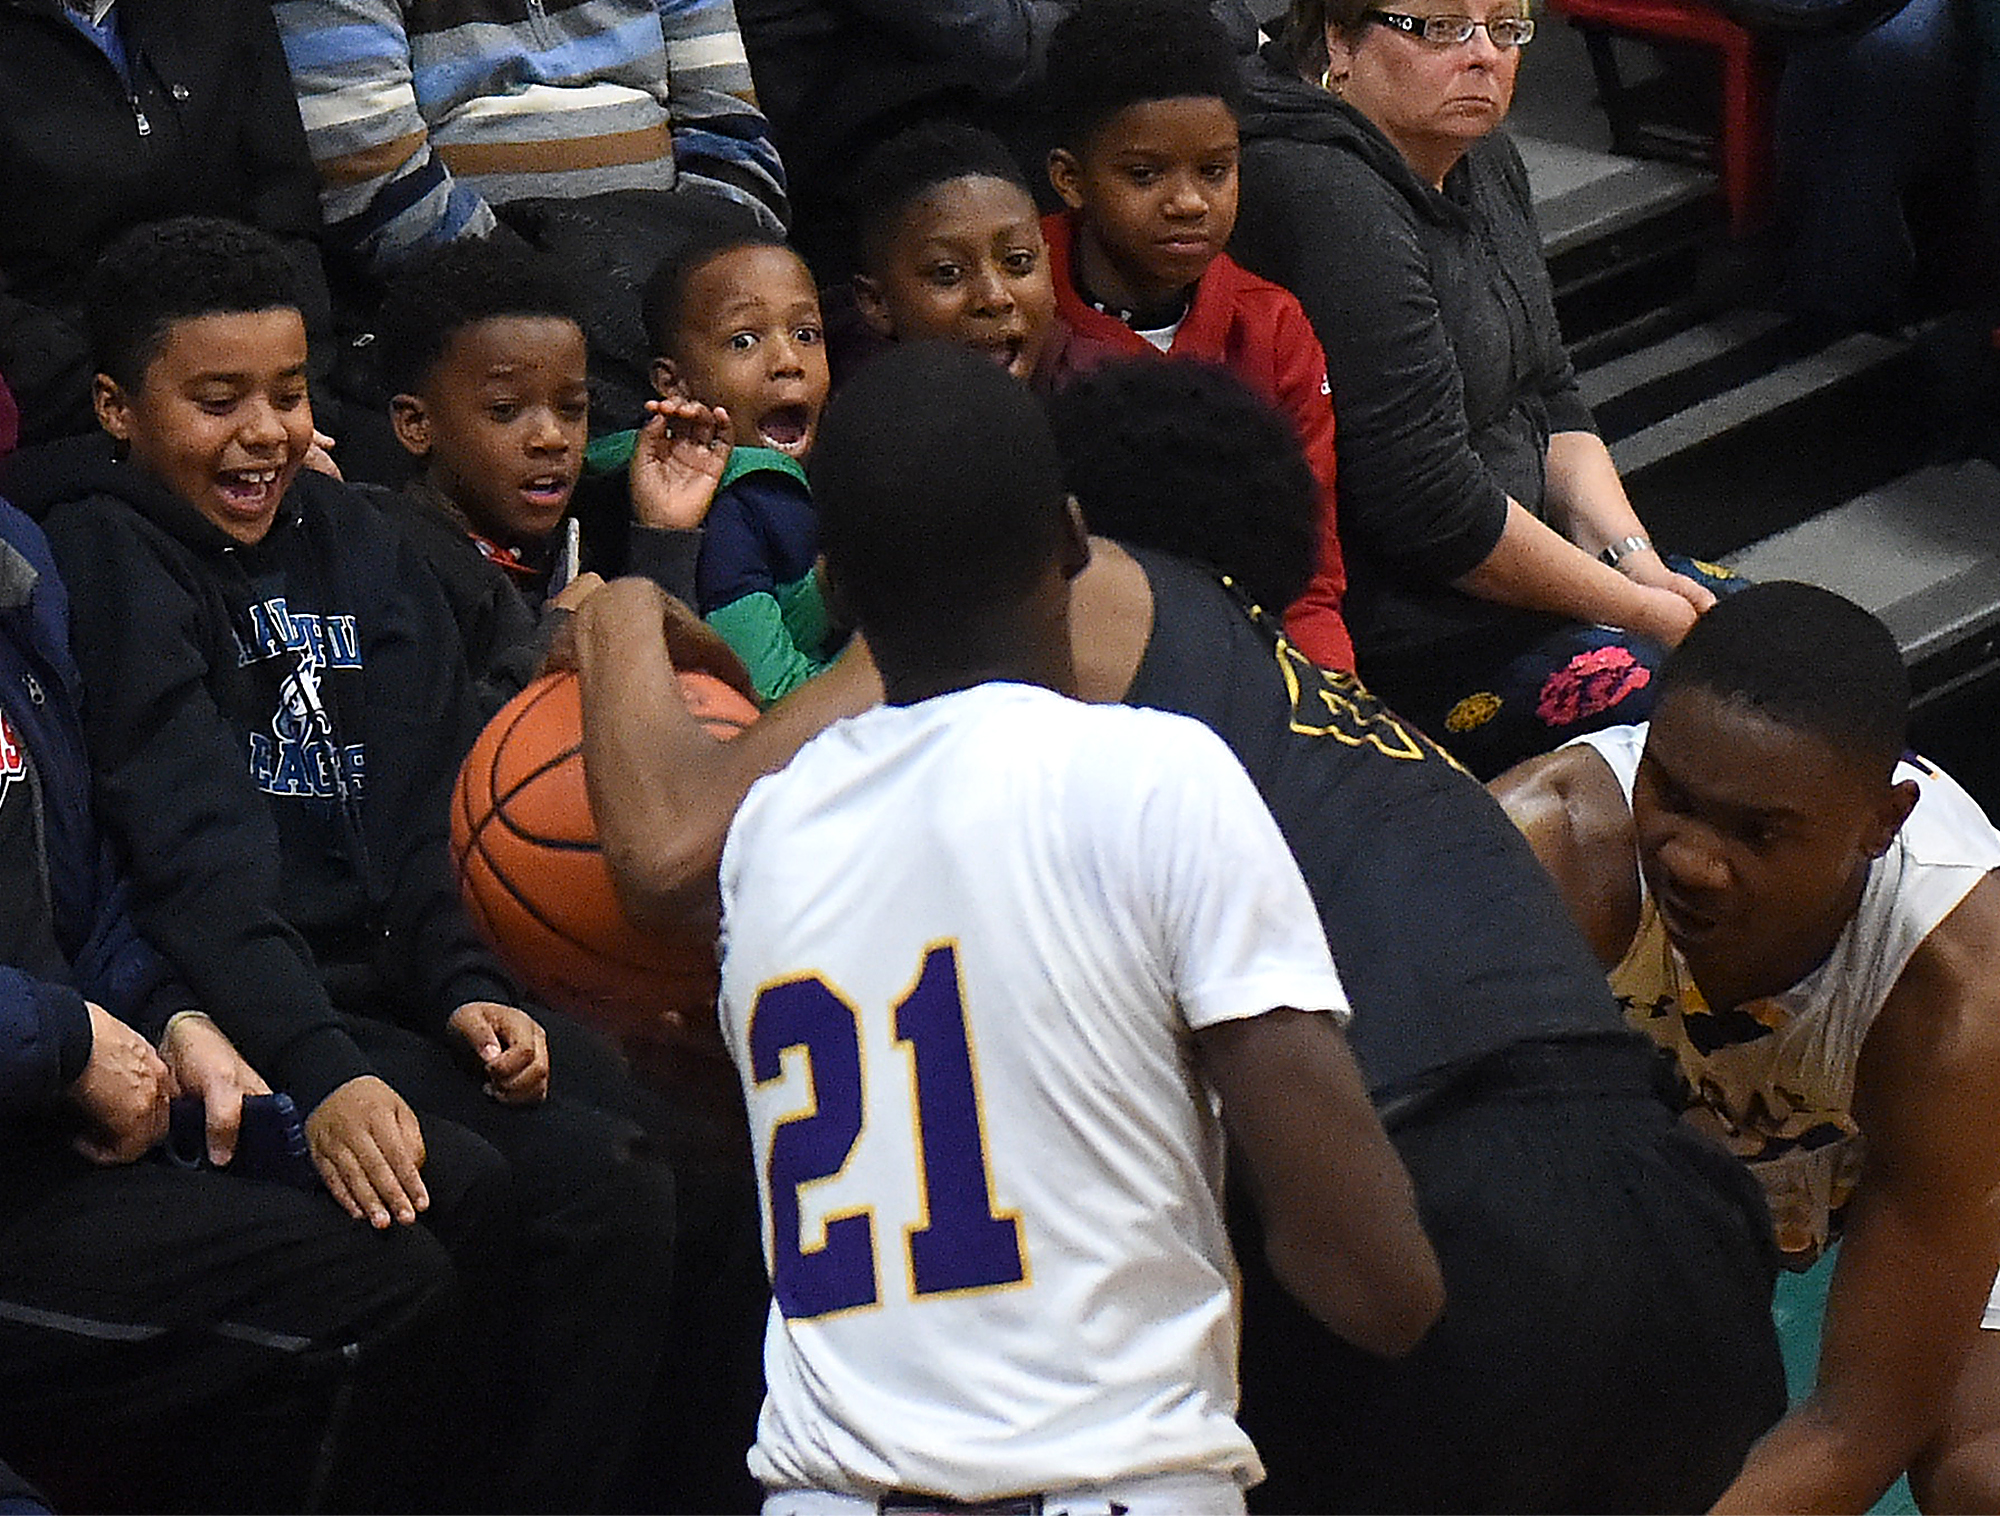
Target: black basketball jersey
x,y
1450,938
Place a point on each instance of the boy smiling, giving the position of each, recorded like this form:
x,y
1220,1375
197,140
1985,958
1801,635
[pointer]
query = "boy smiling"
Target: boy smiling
x,y
279,702
1147,168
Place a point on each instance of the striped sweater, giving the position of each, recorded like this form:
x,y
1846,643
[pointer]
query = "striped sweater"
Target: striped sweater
x,y
423,114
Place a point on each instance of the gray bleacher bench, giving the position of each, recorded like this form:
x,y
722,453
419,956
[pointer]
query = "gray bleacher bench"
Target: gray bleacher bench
x,y
1923,553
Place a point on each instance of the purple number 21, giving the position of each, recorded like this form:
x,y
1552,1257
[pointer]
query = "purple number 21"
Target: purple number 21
x,y
962,1244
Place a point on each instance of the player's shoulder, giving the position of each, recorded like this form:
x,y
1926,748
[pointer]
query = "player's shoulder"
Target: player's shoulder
x,y
1946,826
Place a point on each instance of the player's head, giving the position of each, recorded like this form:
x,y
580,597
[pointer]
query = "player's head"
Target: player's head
x,y
201,359
733,317
948,534
488,365
950,246
1146,93
1766,786
1181,457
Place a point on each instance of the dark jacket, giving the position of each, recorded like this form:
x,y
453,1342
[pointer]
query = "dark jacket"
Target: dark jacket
x,y
44,1031
207,126
1448,367
503,617
276,730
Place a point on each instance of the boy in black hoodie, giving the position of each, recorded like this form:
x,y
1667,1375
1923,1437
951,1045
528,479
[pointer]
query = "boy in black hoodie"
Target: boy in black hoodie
x,y
279,699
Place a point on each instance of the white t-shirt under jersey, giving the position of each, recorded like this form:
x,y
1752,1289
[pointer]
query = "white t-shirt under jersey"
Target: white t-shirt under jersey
x,y
966,943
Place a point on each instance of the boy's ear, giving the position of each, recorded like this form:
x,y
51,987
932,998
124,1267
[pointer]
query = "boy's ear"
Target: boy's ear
x,y
113,406
666,377
1065,173
411,422
874,309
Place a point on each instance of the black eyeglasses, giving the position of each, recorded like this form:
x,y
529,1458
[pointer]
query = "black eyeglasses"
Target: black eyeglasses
x,y
1452,31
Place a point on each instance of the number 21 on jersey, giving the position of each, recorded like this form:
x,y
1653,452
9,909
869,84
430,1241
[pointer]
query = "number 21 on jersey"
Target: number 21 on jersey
x,y
960,1243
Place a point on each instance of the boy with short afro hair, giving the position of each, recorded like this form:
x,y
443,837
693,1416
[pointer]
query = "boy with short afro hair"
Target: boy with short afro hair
x,y
488,362
1146,91
948,245
279,700
740,348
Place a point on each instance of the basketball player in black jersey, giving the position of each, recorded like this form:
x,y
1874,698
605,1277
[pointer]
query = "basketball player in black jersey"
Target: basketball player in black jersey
x,y
1607,1343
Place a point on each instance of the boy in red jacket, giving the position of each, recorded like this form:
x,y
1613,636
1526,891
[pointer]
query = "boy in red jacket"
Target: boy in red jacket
x,y
1148,171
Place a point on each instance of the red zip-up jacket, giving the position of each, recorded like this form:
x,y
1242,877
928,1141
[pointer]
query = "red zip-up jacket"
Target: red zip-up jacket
x,y
1259,332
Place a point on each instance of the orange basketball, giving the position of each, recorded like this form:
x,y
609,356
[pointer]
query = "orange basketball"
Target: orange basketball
x,y
535,883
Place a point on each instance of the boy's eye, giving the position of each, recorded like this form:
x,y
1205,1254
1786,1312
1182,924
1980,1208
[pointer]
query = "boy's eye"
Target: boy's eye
x,y
574,410
809,335
742,342
1218,173
944,273
1020,261
1141,175
290,400
503,410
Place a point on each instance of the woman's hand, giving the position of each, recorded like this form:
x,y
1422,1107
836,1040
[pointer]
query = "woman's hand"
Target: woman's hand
x,y
1662,614
1648,569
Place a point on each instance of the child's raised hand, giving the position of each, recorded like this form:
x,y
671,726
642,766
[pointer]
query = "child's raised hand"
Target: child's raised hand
x,y
678,463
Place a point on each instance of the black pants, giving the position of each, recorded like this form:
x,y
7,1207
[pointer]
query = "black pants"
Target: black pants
x,y
571,1304
1606,1342
188,1340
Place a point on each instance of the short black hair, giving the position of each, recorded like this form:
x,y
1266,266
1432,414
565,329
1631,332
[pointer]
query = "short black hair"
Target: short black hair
x,y
914,161
1805,658
660,303
939,492
460,285
1110,54
176,270
1180,456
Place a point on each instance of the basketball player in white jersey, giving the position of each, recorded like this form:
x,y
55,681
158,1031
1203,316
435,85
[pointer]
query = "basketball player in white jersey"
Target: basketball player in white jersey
x,y
1807,922
992,958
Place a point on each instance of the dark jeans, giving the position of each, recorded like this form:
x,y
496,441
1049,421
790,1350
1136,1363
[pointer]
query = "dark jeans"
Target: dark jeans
x,y
571,1302
188,1340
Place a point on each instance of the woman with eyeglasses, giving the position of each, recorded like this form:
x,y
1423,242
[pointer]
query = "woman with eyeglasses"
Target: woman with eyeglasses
x,y
1502,592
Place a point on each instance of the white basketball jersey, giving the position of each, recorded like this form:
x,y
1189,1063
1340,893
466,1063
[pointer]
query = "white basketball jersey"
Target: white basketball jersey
x,y
1775,1075
965,946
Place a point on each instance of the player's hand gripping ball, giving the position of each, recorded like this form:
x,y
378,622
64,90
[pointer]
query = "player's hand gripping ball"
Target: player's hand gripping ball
x,y
534,879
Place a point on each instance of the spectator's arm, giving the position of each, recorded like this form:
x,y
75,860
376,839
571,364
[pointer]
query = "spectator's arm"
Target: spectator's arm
x,y
999,44
1305,394
385,192
45,1040
722,142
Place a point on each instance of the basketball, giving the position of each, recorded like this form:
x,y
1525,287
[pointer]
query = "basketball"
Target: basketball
x,y
534,879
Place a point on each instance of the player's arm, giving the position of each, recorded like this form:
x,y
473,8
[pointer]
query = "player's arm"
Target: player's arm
x,y
1923,1232
1341,1230
662,789
1570,808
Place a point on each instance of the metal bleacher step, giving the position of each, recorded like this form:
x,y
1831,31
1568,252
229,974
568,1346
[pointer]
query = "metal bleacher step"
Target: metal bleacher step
x,y
1743,426
1923,553
1794,381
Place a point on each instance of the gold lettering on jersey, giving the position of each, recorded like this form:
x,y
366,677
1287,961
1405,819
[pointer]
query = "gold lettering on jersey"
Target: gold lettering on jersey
x,y
1327,703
